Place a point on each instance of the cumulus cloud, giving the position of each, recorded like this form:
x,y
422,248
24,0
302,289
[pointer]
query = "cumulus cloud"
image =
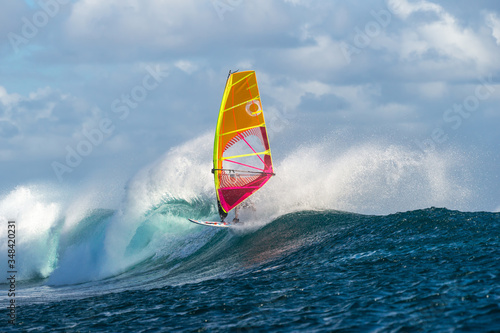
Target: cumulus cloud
x,y
130,29
8,99
432,89
404,8
440,42
426,57
493,22
322,55
122,22
40,123
186,66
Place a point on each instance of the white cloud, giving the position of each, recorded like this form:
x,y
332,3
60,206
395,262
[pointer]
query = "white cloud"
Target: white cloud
x,y
450,40
7,99
129,28
289,94
41,123
440,44
432,90
156,23
357,100
96,51
360,97
311,55
186,66
493,22
324,55
403,8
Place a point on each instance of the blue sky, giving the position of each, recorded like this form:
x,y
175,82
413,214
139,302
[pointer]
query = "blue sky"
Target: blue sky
x,y
120,82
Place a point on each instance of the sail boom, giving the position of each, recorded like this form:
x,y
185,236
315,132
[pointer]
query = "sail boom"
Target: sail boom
x,y
245,171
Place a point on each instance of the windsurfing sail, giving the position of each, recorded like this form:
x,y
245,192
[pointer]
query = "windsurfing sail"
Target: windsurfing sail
x,y
242,156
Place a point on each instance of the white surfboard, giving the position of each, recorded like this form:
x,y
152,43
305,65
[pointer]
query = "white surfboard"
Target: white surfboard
x,y
218,224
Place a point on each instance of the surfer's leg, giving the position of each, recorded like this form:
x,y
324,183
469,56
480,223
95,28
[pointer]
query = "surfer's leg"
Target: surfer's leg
x,y
222,213
236,219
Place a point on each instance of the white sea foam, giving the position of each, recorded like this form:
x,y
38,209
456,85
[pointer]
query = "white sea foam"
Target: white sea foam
x,y
182,173
371,178
37,219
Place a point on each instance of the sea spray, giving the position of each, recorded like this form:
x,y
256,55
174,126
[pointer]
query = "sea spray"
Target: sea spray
x,y
182,173
38,223
368,178
81,234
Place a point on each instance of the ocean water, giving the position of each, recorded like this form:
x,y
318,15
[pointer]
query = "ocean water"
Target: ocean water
x,y
430,270
315,255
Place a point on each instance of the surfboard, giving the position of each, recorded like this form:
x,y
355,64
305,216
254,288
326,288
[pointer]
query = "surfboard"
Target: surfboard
x,y
242,161
212,223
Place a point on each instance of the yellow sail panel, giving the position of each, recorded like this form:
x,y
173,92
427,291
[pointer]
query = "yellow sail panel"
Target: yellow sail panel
x,y
242,156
